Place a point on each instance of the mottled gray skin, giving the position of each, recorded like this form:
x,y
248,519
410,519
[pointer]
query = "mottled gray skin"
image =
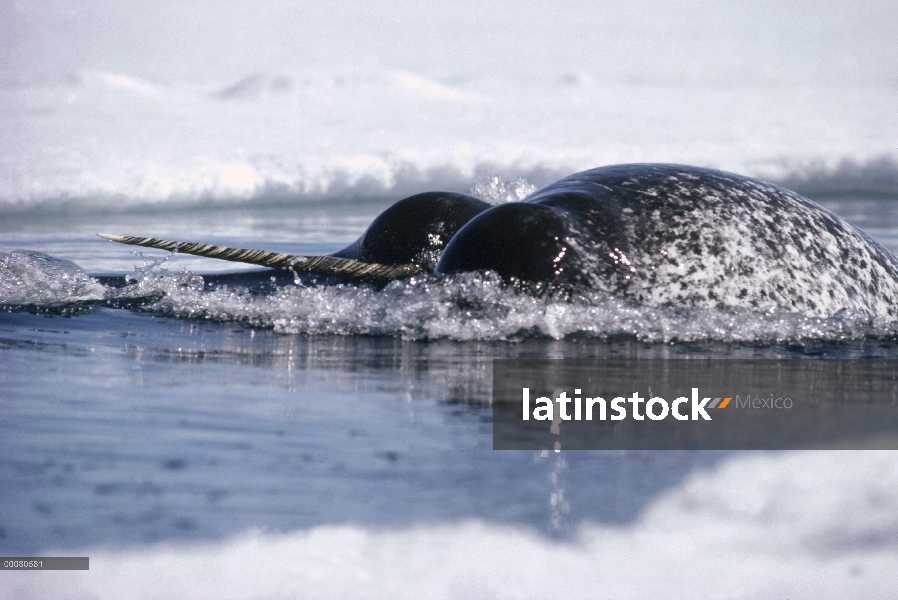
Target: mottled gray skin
x,y
678,236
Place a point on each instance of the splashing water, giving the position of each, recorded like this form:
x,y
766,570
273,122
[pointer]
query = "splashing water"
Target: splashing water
x,y
479,306
29,277
461,307
495,190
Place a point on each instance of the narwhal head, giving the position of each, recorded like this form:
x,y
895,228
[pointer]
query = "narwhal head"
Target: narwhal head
x,y
406,239
414,230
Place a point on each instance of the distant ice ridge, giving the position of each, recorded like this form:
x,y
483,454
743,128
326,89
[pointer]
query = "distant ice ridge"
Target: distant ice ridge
x,y
29,277
800,525
113,139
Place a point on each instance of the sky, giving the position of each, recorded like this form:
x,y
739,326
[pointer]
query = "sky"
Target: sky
x,y
730,42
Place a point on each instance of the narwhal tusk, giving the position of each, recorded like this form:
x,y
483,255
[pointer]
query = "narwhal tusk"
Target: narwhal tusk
x,y
345,268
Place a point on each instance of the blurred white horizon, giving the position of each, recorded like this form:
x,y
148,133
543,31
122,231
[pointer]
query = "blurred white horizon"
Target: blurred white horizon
x,y
134,103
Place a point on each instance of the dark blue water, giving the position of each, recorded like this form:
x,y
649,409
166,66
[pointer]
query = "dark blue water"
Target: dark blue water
x,y
124,428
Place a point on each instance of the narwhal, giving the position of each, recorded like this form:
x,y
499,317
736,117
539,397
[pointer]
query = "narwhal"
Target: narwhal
x,y
653,234
404,240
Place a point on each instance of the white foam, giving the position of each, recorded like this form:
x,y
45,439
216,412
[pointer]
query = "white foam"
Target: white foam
x,y
478,306
495,190
812,525
29,277
461,307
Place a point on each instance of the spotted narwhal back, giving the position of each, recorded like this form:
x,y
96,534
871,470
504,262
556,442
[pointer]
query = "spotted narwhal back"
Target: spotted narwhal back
x,y
671,235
